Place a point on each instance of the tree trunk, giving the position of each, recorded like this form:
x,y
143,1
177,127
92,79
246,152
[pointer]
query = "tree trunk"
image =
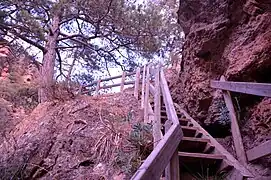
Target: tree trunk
x,y
47,71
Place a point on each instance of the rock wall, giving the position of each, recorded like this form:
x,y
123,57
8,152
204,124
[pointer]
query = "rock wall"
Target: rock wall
x,y
224,37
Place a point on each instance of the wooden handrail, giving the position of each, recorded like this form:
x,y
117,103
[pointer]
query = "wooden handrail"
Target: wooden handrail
x,y
156,162
259,89
164,153
110,78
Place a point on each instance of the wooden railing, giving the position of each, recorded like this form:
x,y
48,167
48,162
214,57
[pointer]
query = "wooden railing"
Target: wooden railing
x,y
258,89
164,156
84,90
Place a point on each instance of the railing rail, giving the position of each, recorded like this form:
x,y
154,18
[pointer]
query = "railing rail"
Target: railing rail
x,y
259,89
164,157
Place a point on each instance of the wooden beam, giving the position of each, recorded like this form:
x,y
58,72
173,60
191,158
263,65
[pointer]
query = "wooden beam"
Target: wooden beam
x,y
218,147
152,90
153,166
171,112
257,152
237,137
108,79
147,94
143,87
116,85
137,83
157,110
260,89
172,170
122,81
98,87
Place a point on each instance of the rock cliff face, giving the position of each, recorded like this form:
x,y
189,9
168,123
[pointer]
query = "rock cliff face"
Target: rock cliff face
x,y
225,37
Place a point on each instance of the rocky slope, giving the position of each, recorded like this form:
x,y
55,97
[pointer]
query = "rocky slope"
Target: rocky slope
x,y
83,138
231,38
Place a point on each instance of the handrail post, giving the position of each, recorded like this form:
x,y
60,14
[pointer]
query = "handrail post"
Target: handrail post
x,y
147,93
157,109
143,87
172,170
237,138
122,81
98,87
137,82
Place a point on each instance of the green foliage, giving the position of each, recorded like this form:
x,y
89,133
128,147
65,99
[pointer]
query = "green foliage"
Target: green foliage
x,y
141,140
106,33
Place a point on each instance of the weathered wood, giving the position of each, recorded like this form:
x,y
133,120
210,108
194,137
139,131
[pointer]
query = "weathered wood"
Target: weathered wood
x,y
110,86
152,90
137,82
260,89
108,79
122,81
237,137
172,171
97,87
171,112
174,166
218,147
202,156
262,150
147,94
153,166
143,87
157,110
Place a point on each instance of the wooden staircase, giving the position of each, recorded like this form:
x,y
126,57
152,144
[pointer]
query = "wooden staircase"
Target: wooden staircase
x,y
196,153
182,148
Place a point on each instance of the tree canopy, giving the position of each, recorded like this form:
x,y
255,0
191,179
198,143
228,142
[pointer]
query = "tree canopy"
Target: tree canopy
x,y
98,34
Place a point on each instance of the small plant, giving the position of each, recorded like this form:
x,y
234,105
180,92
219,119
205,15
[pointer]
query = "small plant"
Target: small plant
x,y
138,147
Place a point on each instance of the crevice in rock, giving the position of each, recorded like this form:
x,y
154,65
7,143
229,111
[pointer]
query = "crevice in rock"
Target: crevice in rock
x,y
217,130
86,163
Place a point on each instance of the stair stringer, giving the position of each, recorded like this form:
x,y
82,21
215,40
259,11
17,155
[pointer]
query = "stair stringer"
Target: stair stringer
x,y
219,149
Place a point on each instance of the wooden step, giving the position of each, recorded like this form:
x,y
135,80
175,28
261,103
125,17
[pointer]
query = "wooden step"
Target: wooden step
x,y
164,113
198,156
193,145
189,131
183,122
198,163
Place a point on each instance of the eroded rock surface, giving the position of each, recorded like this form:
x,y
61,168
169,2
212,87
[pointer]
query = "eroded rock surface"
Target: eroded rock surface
x,y
231,38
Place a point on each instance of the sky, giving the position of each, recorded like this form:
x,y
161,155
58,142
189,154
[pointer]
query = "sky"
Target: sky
x,y
113,71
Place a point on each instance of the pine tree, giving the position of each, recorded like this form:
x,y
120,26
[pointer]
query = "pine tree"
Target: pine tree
x,y
100,33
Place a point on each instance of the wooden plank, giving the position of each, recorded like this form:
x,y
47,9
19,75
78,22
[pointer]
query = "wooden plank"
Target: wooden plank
x,y
116,85
143,87
98,87
189,131
171,112
153,166
137,79
193,145
260,89
122,81
152,90
147,94
201,155
262,150
108,79
237,137
172,170
157,108
218,147
174,167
